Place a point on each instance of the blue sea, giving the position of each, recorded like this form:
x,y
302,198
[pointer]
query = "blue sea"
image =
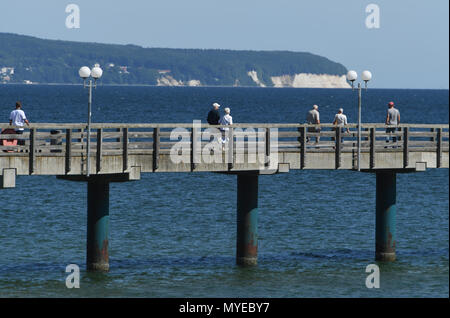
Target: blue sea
x,y
174,234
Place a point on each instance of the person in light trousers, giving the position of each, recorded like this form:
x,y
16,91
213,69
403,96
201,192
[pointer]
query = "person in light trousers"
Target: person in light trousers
x,y
225,120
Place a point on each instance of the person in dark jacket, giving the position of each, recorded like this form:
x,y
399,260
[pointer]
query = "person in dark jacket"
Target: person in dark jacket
x,y
214,115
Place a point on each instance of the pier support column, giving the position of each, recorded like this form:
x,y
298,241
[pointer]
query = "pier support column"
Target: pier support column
x,y
385,238
97,258
247,219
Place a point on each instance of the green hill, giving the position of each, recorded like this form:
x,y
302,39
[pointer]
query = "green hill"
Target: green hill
x,y
25,58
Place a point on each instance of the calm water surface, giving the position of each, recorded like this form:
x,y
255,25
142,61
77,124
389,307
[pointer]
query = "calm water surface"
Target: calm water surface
x,y
173,235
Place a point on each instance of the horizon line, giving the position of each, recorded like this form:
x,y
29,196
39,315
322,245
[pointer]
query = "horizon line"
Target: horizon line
x,y
216,86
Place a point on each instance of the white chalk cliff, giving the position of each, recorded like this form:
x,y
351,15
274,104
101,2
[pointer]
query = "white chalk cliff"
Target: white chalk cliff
x,y
305,80
310,81
168,80
301,80
255,78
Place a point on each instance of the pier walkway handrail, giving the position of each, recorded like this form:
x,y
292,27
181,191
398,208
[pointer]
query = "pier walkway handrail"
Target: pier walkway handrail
x,y
47,137
205,125
124,139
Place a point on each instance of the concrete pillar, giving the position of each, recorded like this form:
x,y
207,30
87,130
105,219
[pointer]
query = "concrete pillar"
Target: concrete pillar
x,y
97,224
247,219
385,238
97,257
8,178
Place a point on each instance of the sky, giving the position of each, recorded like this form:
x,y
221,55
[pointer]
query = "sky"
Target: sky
x,y
408,49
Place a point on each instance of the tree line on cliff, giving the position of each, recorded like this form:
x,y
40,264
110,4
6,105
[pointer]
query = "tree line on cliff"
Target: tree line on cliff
x,y
54,61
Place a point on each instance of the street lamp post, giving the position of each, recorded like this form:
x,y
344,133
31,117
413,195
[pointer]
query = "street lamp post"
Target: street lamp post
x,y
352,76
85,72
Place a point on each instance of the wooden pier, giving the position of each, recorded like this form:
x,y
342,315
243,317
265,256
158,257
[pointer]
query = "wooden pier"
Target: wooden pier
x,y
121,152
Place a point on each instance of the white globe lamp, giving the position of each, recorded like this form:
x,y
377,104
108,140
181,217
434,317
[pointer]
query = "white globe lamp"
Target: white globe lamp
x,y
366,76
352,76
97,72
84,72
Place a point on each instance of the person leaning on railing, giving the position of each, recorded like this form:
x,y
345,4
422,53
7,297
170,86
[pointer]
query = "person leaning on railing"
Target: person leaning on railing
x,y
18,118
340,120
225,120
313,118
214,115
392,119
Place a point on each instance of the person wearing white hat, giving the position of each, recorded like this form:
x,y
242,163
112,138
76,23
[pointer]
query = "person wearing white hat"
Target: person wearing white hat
x,y
340,120
225,120
214,115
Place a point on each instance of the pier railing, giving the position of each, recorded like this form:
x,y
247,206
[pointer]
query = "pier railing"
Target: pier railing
x,y
69,140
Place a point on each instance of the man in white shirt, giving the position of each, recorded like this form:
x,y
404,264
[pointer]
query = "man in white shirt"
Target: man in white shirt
x,y
18,118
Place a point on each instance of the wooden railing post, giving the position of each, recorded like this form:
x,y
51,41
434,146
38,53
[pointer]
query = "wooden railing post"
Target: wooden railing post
x,y
338,148
302,131
267,144
124,149
372,147
32,154
156,147
68,149
230,154
439,148
119,139
195,134
81,139
99,150
405,148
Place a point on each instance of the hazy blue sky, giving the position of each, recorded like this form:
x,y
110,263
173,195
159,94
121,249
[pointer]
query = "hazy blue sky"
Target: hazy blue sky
x,y
409,50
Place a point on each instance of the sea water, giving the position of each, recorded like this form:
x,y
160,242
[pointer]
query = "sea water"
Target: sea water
x,y
174,234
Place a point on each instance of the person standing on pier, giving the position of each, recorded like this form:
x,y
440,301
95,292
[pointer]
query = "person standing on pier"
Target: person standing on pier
x,y
214,115
313,118
392,119
225,120
341,120
18,118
